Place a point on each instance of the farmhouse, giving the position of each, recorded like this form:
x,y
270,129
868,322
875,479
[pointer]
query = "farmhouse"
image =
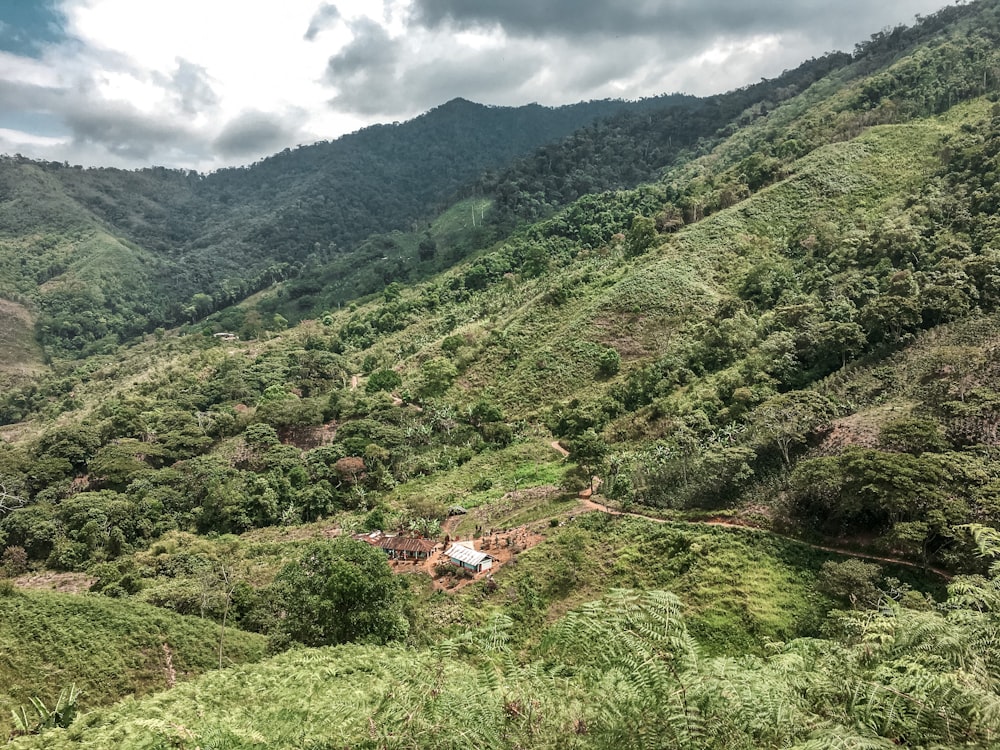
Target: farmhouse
x,y
468,558
400,547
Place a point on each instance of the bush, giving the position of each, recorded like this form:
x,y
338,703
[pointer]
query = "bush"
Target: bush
x,y
337,592
14,562
383,380
443,569
609,362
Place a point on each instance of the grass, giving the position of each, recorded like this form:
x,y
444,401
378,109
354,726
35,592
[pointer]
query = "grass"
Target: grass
x,y
108,648
21,357
530,463
742,589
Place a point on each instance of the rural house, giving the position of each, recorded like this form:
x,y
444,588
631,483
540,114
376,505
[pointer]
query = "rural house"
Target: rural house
x,y
468,558
400,547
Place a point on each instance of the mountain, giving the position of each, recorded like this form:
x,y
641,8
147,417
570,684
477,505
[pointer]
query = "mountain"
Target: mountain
x,y
764,381
183,244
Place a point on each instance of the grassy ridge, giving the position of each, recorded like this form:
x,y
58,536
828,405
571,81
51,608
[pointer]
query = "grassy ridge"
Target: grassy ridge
x,y
21,357
108,648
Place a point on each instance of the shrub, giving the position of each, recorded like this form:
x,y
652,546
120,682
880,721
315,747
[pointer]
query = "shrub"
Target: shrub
x,y
14,561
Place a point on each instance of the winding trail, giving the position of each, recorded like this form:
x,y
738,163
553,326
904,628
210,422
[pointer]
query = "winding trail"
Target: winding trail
x,y
591,505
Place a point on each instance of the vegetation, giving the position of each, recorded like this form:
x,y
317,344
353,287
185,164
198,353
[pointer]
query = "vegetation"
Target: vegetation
x,y
100,650
621,670
791,326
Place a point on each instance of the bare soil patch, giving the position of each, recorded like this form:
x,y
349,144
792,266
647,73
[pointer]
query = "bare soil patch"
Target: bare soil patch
x,y
64,583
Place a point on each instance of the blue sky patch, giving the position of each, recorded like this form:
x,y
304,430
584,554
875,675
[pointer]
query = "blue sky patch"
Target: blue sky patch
x,y
26,26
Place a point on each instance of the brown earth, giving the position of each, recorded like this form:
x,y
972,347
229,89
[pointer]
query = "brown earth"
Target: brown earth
x,y
64,583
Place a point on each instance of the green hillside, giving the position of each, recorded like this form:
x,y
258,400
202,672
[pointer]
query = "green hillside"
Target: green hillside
x,y
108,649
185,244
21,357
765,380
624,669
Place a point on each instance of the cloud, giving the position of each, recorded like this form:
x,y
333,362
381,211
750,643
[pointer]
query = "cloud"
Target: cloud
x,y
194,90
371,50
126,132
377,74
324,17
667,19
201,84
253,133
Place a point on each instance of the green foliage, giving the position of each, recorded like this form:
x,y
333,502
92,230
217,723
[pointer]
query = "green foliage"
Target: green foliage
x,y
621,671
436,376
60,715
641,236
851,581
609,362
109,648
383,380
339,591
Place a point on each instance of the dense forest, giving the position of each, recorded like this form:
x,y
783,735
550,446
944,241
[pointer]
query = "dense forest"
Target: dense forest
x,y
107,254
712,381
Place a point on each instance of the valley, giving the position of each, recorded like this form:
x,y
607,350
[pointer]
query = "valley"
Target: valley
x,y
710,382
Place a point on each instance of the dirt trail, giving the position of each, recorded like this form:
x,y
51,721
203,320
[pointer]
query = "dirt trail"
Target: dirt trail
x,y
591,505
559,449
354,382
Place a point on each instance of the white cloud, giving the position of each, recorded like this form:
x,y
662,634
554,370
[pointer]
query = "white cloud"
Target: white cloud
x,y
13,141
203,83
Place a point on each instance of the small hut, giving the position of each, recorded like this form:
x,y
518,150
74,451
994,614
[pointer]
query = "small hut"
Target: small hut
x,y
468,558
406,548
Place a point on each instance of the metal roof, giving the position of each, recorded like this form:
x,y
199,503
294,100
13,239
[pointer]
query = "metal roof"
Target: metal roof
x,y
467,555
405,544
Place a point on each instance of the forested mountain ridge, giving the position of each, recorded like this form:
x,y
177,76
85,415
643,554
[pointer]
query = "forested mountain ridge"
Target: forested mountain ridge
x,y
793,329
189,243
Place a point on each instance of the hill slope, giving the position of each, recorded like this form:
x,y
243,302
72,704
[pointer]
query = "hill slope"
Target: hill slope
x,y
173,235
109,649
795,329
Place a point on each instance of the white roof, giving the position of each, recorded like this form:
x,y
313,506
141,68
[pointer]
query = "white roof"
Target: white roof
x,y
467,555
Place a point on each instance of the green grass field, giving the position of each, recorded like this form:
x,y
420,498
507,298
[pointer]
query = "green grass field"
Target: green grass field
x,y
108,648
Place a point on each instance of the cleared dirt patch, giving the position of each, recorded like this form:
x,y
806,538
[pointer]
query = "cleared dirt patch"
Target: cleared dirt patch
x,y
64,583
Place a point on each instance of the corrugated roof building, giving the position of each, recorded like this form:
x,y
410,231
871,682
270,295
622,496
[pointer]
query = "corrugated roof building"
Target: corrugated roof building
x,y
468,558
406,548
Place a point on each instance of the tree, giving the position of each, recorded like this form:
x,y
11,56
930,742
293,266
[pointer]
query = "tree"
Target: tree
x,y
427,248
340,591
641,236
851,580
436,376
589,451
786,420
383,380
609,362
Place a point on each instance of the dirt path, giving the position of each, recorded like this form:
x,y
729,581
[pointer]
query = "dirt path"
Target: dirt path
x,y
559,449
397,401
591,505
354,382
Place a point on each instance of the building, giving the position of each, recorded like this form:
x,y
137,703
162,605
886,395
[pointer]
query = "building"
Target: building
x,y
468,558
400,547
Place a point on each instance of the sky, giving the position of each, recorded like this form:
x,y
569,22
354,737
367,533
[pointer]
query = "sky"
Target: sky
x,y
201,84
